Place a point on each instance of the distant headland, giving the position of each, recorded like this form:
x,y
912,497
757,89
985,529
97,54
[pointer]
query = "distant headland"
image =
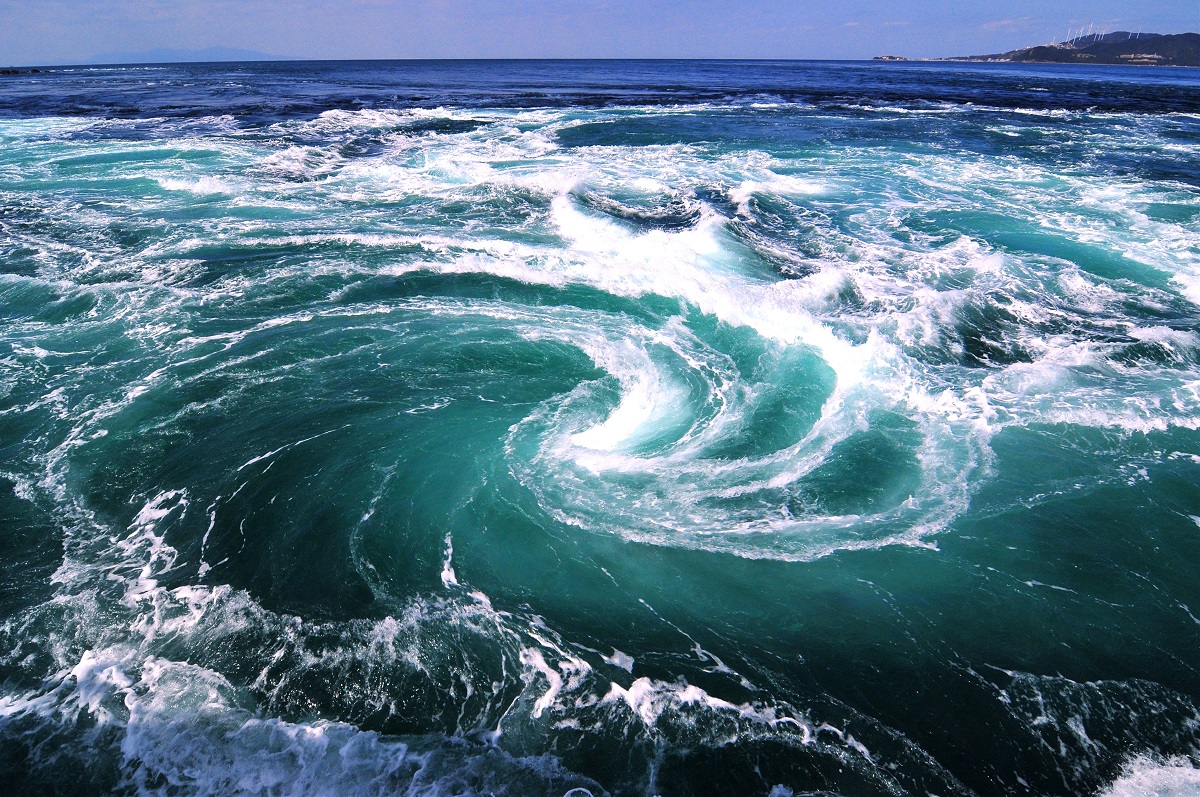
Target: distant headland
x,y
1121,47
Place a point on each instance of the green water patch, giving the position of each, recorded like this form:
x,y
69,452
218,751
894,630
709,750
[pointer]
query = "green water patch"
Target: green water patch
x,y
1179,354
785,392
877,630
612,134
1093,259
870,471
105,189
30,551
1173,212
1010,235
109,158
1065,465
214,207
638,131
27,299
1023,621
262,259
786,133
321,444
482,286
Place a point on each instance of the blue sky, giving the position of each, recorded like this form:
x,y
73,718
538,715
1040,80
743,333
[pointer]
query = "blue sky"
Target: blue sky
x,y
70,31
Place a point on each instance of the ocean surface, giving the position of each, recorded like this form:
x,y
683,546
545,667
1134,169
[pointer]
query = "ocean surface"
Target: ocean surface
x,y
587,428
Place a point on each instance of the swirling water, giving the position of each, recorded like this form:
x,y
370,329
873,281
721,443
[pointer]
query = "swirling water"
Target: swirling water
x,y
583,428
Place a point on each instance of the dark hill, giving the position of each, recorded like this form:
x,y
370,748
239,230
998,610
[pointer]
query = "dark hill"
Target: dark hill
x,y
1122,47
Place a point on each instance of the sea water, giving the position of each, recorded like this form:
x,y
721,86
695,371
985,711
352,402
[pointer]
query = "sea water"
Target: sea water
x,y
633,428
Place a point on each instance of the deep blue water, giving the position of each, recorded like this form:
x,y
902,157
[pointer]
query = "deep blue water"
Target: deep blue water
x,y
639,428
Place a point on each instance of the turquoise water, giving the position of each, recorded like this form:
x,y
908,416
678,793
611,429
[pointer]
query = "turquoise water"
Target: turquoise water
x,y
501,428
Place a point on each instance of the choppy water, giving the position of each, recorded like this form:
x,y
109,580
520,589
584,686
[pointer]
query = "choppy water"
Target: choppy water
x,y
585,428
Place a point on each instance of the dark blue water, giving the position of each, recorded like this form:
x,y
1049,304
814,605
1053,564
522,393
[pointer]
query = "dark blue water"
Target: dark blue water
x,y
275,91
640,428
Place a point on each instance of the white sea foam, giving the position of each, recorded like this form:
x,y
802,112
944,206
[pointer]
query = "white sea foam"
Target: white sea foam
x,y
775,185
201,185
1147,777
1189,285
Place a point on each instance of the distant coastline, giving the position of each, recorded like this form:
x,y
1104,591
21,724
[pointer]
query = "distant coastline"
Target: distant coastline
x,y
1120,47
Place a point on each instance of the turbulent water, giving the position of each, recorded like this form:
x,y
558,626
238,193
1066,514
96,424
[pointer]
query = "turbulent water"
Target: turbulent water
x,y
600,428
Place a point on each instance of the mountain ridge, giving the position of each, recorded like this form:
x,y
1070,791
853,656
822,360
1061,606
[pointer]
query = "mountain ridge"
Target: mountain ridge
x,y
1119,47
